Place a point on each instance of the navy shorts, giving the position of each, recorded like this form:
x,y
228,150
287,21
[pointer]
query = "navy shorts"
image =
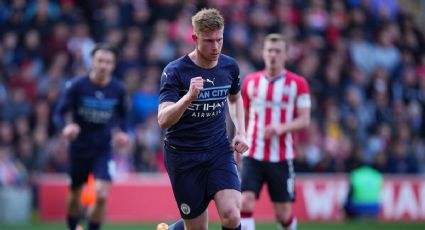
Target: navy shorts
x,y
196,177
279,177
101,165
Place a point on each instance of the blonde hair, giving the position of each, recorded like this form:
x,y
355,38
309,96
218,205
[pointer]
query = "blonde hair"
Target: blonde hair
x,y
207,20
275,37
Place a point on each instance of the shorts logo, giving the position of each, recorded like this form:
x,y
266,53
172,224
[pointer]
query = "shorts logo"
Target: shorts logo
x,y
185,208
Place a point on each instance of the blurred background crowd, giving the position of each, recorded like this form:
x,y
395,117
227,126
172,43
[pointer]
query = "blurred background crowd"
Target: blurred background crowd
x,y
364,61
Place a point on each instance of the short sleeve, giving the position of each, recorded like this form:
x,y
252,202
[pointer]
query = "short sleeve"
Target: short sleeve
x,y
235,87
169,86
66,101
122,109
303,99
244,92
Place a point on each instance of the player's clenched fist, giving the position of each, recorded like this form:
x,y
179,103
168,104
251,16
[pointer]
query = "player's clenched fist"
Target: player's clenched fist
x,y
196,85
239,144
71,131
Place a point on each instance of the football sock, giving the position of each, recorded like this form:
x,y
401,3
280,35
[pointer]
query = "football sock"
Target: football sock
x,y
247,221
291,224
237,228
94,226
179,225
72,222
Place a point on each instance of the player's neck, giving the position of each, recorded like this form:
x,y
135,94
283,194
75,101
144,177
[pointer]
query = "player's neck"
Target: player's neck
x,y
274,73
99,79
200,61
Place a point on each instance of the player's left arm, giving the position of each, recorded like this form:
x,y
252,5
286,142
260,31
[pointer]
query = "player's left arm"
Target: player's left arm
x,y
302,120
236,111
120,137
302,115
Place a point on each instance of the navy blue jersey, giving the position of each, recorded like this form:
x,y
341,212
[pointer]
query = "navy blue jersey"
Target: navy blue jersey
x,y
96,109
202,126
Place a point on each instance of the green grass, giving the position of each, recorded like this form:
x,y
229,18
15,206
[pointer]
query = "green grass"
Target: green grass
x,y
304,226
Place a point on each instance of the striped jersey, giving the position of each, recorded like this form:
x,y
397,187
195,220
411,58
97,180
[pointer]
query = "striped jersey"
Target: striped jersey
x,y
272,102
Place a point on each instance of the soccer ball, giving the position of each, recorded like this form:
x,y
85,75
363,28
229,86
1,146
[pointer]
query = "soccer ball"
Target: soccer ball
x,y
162,226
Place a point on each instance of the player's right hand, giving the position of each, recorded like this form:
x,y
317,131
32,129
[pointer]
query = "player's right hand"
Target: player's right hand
x,y
196,85
71,131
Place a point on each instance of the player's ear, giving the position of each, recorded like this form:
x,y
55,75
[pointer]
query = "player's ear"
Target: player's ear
x,y
194,37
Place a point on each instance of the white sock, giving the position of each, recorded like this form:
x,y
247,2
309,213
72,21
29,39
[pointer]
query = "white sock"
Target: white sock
x,y
248,223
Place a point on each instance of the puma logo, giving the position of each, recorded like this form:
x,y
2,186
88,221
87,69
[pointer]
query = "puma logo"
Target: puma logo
x,y
211,81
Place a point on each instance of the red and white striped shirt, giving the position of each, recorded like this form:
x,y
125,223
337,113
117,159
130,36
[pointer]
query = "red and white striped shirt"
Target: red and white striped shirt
x,y
272,102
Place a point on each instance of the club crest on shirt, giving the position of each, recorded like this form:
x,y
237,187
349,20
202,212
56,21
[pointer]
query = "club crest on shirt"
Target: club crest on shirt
x,y
98,94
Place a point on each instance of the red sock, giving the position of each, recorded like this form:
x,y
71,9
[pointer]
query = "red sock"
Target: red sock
x,y
246,214
287,223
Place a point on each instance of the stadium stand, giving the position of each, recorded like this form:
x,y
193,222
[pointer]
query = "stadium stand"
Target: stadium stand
x,y
364,61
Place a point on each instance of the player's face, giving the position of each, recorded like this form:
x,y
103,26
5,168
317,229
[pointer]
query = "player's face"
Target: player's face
x,y
103,62
209,44
274,54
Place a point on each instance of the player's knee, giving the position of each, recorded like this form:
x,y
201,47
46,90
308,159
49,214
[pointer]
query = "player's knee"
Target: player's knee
x,y
100,201
231,218
74,196
283,215
248,201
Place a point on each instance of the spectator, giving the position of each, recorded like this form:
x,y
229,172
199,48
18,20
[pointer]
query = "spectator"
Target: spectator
x,y
364,58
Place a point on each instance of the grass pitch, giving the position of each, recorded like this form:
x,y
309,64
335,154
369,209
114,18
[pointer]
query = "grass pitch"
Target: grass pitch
x,y
262,226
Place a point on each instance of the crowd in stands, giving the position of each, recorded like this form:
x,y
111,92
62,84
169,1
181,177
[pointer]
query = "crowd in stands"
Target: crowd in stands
x,y
363,59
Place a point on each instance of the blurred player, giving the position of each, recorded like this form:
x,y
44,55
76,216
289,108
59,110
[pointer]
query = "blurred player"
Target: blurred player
x,y
277,103
97,105
198,155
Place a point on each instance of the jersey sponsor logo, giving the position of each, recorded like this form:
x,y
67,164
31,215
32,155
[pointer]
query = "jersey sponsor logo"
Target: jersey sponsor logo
x,y
210,102
185,208
95,110
269,104
206,107
213,93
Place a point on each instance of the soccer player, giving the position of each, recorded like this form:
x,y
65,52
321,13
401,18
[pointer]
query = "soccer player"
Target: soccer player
x,y
96,103
277,103
199,158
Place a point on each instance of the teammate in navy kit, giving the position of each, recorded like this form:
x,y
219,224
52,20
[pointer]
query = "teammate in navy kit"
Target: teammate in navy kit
x,y
96,104
198,154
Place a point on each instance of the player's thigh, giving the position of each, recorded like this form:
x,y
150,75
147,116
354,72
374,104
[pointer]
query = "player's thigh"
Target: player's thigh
x,y
102,188
248,201
228,202
251,176
222,172
80,167
75,194
188,176
280,179
282,210
103,166
198,223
